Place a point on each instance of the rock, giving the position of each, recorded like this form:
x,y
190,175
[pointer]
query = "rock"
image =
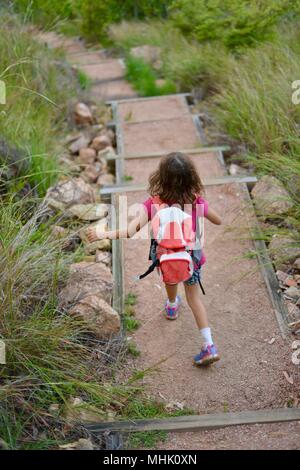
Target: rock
x,y
89,211
104,165
82,115
283,250
235,169
108,151
270,197
59,232
84,444
290,282
107,179
293,292
70,192
296,264
54,409
87,155
150,54
281,275
101,142
111,134
69,241
85,279
293,310
91,248
70,165
80,143
72,137
160,82
92,172
103,257
77,411
81,444
101,319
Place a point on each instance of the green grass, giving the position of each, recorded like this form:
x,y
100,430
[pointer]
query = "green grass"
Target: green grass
x,y
148,408
130,322
38,92
144,78
132,349
84,81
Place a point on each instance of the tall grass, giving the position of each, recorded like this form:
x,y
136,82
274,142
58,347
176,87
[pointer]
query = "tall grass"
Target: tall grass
x,y
39,88
256,104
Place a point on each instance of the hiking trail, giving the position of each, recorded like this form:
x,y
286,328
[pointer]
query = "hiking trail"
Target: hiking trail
x,y
250,375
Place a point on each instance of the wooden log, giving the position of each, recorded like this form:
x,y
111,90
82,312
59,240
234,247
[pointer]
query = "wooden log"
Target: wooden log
x,y
123,188
193,151
200,422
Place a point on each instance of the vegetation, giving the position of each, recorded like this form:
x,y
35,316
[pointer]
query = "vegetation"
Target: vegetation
x,y
247,91
145,80
235,23
37,98
240,56
147,409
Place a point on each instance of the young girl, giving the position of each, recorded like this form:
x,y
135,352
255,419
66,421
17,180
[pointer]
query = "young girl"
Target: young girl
x,y
176,181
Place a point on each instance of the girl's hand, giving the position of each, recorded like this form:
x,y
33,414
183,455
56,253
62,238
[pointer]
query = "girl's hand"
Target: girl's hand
x,y
93,234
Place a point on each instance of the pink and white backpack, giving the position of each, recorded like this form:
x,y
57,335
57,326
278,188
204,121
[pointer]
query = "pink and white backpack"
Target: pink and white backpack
x,y
173,240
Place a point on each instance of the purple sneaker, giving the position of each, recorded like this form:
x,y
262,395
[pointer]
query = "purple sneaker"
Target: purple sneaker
x,y
172,312
207,355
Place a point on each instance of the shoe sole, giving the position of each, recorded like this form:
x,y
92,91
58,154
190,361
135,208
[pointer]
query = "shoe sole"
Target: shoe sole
x,y
171,318
208,361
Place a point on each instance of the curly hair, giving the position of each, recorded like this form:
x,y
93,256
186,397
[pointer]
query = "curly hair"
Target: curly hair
x,y
176,180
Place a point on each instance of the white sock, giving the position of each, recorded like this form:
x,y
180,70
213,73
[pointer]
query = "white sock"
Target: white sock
x,y
206,336
172,304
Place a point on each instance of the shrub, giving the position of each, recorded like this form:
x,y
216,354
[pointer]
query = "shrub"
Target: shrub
x,y
236,23
97,16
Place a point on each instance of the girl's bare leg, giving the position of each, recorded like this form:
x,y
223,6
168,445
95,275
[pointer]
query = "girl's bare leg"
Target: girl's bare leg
x,y
171,292
194,300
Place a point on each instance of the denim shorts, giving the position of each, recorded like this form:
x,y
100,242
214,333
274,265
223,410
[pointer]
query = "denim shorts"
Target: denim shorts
x,y
195,278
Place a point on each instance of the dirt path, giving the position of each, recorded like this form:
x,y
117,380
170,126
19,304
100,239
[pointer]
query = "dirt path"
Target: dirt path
x,y
250,375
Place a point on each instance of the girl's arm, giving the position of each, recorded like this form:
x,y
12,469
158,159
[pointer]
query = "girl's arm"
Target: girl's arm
x,y
213,217
134,226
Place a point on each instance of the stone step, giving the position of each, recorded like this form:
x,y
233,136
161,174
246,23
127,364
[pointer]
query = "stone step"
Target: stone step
x,y
114,90
110,69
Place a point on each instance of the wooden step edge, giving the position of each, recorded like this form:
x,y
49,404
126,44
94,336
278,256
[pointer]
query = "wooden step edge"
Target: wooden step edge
x,y
163,153
124,188
200,422
150,98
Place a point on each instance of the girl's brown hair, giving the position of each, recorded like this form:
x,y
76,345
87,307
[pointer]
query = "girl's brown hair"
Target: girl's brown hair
x,y
176,180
